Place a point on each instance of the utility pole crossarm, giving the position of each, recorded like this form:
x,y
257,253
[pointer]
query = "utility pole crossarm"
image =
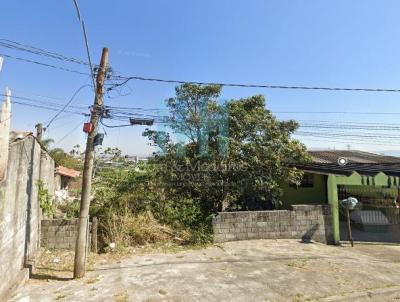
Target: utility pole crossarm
x,y
81,247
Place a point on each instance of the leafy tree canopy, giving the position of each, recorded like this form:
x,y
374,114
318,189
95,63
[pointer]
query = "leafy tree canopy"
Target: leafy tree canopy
x,y
235,156
61,158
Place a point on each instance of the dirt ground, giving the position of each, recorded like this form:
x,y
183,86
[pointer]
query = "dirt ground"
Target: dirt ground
x,y
259,270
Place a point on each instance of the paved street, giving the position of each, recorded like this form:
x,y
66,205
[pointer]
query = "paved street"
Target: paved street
x,y
263,270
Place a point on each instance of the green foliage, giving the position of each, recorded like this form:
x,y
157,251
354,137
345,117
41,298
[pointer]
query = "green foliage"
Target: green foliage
x,y
63,159
70,209
45,200
47,142
123,196
248,173
234,156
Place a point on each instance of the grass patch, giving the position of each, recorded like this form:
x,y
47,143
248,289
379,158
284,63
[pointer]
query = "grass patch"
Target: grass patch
x,y
303,298
92,280
121,298
60,297
300,264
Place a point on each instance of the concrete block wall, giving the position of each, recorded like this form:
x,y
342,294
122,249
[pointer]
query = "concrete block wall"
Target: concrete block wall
x,y
60,233
306,222
20,213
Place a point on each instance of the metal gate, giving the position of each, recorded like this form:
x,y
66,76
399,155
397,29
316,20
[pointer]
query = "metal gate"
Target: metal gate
x,y
376,217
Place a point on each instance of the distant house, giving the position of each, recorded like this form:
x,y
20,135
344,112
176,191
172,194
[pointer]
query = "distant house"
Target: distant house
x,y
353,156
63,177
357,168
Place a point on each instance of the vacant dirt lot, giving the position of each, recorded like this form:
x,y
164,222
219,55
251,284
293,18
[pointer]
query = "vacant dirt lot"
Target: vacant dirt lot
x,y
260,270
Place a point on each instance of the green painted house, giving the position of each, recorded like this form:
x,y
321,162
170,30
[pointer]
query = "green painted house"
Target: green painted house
x,y
334,175
362,168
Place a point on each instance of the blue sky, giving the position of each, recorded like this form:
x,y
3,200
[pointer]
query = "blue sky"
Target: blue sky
x,y
287,42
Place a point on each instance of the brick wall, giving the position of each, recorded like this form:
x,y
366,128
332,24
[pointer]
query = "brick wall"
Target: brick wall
x,y
307,222
59,233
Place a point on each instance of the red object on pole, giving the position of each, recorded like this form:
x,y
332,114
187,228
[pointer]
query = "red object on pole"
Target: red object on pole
x,y
88,127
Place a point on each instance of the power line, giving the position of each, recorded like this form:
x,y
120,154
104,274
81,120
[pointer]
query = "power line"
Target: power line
x,y
343,137
138,78
337,112
347,142
45,103
69,133
38,51
125,79
349,134
66,105
43,64
319,122
86,41
3,121
373,128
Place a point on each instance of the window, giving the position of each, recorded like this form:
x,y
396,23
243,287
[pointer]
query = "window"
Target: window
x,y
307,181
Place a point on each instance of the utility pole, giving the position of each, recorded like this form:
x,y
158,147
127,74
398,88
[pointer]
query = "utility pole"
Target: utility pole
x,y
82,240
39,132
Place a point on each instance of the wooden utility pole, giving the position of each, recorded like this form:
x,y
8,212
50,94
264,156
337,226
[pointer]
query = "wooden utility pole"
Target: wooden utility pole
x,y
94,234
81,247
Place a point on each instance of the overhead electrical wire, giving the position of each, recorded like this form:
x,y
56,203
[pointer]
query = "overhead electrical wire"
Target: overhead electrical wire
x,y
80,18
347,135
67,104
337,112
118,114
308,129
43,64
41,102
382,139
347,142
69,133
13,45
345,122
356,138
374,128
126,79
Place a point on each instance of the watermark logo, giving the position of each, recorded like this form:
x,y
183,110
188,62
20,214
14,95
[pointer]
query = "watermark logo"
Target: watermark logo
x,y
204,124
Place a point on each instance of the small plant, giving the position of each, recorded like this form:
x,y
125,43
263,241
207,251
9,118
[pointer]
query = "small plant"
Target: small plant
x,y
70,209
45,199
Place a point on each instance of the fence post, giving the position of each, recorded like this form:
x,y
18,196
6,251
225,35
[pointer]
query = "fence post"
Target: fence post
x,y
334,202
94,234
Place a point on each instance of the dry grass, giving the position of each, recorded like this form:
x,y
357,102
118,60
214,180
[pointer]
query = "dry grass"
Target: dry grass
x,y
139,230
59,264
121,297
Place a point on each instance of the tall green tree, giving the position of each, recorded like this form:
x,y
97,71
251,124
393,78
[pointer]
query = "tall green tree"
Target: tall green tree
x,y
246,173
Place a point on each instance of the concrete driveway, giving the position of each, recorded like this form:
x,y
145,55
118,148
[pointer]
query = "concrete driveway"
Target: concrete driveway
x,y
259,270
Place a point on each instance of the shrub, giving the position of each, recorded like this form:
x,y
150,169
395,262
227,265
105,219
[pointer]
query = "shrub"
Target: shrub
x,y
70,209
45,199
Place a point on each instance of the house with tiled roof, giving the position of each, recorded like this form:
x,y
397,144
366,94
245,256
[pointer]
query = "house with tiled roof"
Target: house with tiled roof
x,y
335,175
63,177
352,156
369,169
